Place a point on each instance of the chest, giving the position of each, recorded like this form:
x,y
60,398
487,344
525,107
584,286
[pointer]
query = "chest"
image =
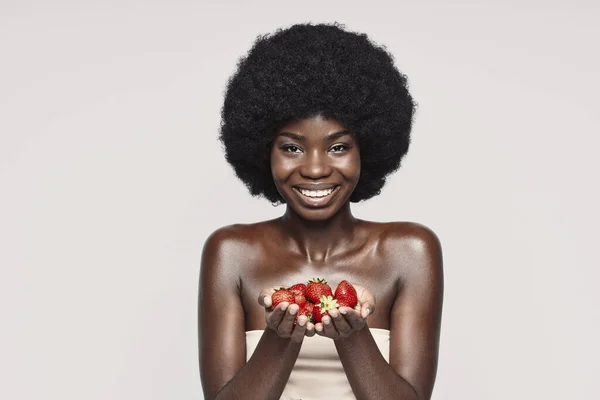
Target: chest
x,y
366,268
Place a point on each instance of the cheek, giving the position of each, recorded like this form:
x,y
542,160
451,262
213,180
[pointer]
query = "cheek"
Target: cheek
x,y
281,168
350,167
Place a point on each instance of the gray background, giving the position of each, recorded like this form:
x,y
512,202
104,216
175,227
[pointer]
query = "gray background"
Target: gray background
x,y
111,178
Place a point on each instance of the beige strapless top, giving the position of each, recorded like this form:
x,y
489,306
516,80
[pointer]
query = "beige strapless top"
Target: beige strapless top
x,y
318,373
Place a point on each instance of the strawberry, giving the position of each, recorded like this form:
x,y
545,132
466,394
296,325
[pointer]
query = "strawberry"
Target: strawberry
x,y
299,288
309,306
307,310
345,294
317,314
282,295
316,288
299,299
320,310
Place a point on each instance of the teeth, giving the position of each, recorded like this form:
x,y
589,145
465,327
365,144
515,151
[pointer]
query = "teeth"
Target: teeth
x,y
316,193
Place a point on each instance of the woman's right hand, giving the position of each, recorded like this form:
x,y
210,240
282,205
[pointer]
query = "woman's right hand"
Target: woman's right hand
x,y
282,319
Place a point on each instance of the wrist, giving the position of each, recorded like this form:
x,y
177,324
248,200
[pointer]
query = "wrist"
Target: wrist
x,y
352,338
276,340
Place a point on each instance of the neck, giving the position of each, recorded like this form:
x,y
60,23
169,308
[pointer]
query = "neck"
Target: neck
x,y
319,240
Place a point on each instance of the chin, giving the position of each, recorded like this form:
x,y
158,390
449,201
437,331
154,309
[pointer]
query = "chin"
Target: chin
x,y
316,214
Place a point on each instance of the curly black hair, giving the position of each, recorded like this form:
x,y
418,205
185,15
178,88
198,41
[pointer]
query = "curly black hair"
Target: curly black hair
x,y
308,70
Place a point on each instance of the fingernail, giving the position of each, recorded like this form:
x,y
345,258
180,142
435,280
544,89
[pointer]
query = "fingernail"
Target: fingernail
x,y
267,301
293,310
301,321
326,321
333,313
343,311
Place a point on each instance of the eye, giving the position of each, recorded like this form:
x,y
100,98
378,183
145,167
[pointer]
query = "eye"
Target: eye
x,y
291,149
338,148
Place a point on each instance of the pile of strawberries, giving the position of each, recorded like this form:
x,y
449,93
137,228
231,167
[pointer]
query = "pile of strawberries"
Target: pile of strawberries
x,y
316,298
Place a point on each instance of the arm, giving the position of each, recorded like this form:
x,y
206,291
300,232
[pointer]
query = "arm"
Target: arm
x,y
221,331
372,377
414,330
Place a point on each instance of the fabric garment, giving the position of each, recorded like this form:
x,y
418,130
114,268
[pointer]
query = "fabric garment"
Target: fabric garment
x,y
318,373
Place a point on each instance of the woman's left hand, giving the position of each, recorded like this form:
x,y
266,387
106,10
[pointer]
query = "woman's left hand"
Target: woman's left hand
x,y
344,321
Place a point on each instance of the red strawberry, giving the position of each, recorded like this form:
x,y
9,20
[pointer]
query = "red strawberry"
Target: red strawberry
x,y
299,299
299,288
309,306
316,288
317,315
307,310
345,294
282,295
320,309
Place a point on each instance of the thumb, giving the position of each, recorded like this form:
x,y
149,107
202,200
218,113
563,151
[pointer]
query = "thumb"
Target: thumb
x,y
264,298
367,309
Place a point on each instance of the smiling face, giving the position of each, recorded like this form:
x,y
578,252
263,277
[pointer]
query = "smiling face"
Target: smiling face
x,y
315,164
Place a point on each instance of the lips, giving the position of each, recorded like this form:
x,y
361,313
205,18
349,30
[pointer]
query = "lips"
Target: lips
x,y
320,195
316,193
316,186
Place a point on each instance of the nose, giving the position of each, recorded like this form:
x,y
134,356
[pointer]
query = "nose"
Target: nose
x,y
316,165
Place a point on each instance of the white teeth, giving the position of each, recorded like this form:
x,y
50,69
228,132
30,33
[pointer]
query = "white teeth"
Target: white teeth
x,y
316,193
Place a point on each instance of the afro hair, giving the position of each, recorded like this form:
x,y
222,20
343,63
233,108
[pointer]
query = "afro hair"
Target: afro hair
x,y
308,70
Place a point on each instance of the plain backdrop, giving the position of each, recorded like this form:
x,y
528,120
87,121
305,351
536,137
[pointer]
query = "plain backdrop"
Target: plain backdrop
x,y
111,178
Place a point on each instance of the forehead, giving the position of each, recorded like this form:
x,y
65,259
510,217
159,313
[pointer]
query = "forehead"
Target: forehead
x,y
314,127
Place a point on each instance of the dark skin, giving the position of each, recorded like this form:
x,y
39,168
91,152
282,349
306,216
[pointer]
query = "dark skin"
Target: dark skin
x,y
396,268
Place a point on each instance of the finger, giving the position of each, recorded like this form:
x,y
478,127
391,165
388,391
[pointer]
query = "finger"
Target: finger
x,y
328,328
264,298
367,302
366,309
274,318
299,329
339,322
353,317
319,328
286,326
310,329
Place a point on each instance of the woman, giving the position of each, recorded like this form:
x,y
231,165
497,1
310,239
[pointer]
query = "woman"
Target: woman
x,y
316,117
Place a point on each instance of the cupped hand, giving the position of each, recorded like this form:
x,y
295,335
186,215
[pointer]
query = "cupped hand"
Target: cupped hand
x,y
344,321
282,319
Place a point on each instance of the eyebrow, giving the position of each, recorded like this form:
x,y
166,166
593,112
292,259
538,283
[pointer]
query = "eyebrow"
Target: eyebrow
x,y
331,136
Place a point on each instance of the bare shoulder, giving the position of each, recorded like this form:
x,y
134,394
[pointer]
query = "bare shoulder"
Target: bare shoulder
x,y
412,234
235,236
416,247
230,235
226,253
235,243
